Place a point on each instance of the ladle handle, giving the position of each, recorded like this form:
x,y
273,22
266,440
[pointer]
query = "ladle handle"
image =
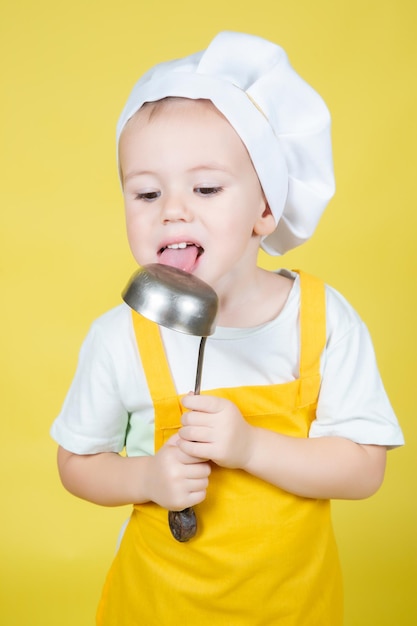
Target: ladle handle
x,y
183,524
197,386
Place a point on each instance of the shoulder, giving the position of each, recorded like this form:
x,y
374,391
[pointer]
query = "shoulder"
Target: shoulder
x,y
113,318
111,330
113,321
341,317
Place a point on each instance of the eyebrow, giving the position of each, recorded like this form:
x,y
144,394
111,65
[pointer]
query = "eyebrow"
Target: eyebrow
x,y
211,166
137,173
220,167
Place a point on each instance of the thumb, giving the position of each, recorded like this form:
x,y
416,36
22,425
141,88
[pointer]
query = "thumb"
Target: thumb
x,y
173,440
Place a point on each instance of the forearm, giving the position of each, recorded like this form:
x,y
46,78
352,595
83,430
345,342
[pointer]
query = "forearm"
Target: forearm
x,y
107,478
327,467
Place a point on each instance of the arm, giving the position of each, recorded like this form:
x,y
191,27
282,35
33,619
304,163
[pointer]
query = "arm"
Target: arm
x,y
170,478
325,467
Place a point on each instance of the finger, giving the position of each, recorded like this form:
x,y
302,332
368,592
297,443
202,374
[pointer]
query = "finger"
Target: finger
x,y
173,440
199,486
201,434
198,471
205,403
188,459
198,418
195,498
196,449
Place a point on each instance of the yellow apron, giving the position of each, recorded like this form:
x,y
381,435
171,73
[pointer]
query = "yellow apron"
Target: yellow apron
x,y
261,556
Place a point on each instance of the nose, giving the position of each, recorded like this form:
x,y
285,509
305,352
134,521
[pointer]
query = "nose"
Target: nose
x,y
174,208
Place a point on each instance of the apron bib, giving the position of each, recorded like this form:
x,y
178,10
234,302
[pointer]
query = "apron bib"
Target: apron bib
x,y
261,556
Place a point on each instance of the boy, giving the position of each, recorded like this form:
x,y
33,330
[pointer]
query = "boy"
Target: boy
x,y
220,153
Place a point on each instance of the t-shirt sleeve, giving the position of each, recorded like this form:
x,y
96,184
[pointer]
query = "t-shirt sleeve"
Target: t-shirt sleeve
x,y
352,402
93,418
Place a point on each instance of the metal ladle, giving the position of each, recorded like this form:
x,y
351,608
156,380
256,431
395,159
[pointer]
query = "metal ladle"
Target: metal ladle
x,y
179,301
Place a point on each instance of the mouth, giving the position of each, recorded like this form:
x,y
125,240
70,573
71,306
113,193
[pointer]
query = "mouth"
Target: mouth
x,y
182,255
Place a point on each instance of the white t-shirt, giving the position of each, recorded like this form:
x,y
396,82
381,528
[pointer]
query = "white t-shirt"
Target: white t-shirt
x,y
109,406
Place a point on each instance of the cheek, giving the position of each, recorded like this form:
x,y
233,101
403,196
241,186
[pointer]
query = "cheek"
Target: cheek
x,y
136,232
139,236
134,218
130,229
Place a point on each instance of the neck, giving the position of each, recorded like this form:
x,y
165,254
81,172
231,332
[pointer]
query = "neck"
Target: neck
x,y
259,301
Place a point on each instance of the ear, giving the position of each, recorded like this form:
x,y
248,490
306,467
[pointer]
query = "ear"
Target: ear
x,y
265,224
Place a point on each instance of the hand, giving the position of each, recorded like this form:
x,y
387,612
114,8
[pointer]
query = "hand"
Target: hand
x,y
176,479
215,429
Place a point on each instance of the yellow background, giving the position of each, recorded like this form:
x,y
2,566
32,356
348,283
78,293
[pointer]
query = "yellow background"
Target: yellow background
x,y
67,68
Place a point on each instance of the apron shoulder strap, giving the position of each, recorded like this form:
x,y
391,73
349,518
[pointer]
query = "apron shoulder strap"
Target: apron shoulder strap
x,y
152,353
312,336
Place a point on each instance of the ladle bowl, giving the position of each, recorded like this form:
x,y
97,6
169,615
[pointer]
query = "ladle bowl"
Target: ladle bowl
x,y
173,298
179,301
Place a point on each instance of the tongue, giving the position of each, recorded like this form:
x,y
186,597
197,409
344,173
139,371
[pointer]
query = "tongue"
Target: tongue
x,y
181,258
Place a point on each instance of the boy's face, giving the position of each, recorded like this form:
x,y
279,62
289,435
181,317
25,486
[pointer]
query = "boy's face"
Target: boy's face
x,y
192,197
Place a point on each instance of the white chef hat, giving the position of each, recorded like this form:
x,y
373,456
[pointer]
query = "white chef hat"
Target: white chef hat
x,y
283,122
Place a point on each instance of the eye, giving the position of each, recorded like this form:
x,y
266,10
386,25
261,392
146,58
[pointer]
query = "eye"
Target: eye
x,y
148,196
208,191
